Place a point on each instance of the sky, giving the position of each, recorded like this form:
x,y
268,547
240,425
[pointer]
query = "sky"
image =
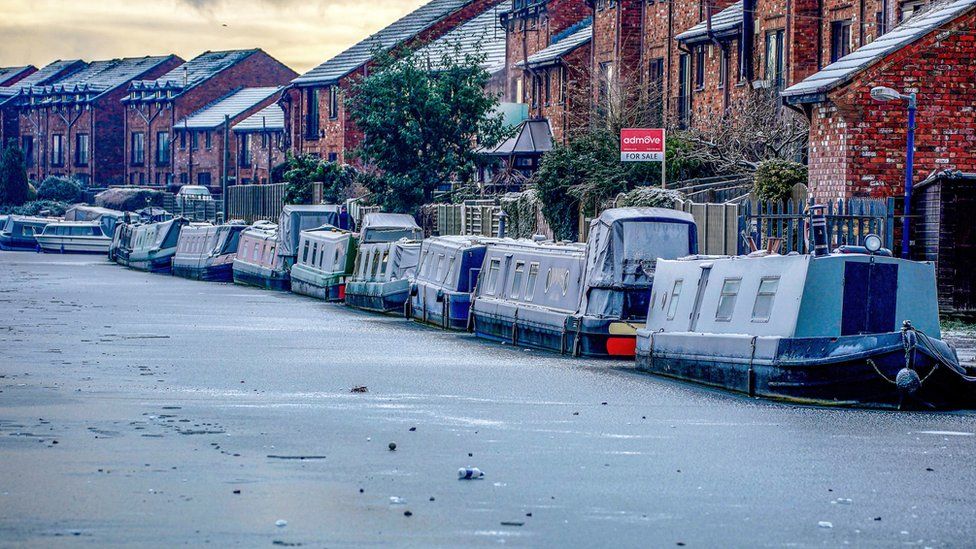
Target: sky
x,y
300,33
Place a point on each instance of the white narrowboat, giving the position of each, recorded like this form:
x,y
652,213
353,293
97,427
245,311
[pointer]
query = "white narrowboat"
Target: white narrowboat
x,y
207,252
257,262
838,329
146,246
587,299
389,227
381,277
325,260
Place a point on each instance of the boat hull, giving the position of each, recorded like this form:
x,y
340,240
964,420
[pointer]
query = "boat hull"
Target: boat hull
x,y
77,245
208,273
452,312
561,333
845,371
17,244
381,297
261,277
313,283
161,262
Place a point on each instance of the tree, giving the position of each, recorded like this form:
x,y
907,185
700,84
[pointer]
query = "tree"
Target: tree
x,y
302,172
422,119
299,176
59,189
775,178
14,188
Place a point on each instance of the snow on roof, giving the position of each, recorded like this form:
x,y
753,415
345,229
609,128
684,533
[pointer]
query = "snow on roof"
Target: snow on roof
x,y
559,48
268,118
196,70
7,74
397,33
232,106
97,76
846,68
724,21
481,35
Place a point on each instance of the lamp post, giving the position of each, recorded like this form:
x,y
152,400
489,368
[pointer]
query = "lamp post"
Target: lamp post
x,y
882,93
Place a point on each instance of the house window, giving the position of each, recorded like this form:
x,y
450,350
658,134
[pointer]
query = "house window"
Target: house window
x,y
184,179
531,281
194,141
203,178
763,307
162,149
726,301
655,77
182,141
774,58
684,90
138,149
840,39
207,142
27,145
492,280
245,154
548,84
606,84
81,149
700,67
562,86
265,141
675,297
333,157
312,114
333,102
723,70
517,279
57,150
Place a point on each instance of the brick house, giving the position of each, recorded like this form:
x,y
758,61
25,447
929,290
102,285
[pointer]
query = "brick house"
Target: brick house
x,y
560,81
9,117
259,142
618,33
316,119
531,26
204,149
857,144
154,106
72,127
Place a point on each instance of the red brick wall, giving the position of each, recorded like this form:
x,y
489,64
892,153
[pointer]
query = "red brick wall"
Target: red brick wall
x,y
566,111
102,122
263,158
617,39
870,159
863,15
256,70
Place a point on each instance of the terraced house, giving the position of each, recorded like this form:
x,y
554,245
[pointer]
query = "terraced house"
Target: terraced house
x,y
259,142
316,119
9,117
72,126
153,108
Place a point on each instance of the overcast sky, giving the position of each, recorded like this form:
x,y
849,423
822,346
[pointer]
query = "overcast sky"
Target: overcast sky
x,y
300,33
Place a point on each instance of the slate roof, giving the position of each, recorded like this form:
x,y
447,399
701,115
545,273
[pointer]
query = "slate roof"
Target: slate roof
x,y
480,35
232,105
555,51
97,77
842,71
270,117
724,22
194,71
399,32
9,73
45,75
533,137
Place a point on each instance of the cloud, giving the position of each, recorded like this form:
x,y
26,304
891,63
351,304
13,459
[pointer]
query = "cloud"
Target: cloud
x,y
300,33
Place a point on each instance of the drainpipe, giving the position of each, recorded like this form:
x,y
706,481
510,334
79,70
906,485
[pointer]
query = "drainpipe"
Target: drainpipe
x,y
667,79
722,50
223,188
747,42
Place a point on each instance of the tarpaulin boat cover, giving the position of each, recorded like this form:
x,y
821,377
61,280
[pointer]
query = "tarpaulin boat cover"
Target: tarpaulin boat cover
x,y
295,219
89,213
406,255
622,250
389,227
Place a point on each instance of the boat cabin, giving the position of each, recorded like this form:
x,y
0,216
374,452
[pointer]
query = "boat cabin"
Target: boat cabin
x,y
297,218
18,232
207,252
381,275
258,262
149,246
447,274
325,259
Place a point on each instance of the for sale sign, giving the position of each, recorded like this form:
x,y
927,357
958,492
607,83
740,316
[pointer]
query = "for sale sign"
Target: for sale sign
x,y
642,145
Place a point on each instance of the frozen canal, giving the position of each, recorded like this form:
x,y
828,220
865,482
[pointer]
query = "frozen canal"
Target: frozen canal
x,y
146,410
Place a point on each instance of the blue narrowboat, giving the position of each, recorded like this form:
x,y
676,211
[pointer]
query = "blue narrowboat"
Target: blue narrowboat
x,y
447,275
207,252
839,329
20,232
585,300
381,277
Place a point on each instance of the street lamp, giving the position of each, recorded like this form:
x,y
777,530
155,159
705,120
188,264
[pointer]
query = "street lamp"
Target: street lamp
x,y
882,93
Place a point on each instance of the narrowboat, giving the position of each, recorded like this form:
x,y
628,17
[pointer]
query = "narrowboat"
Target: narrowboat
x,y
854,329
20,232
381,276
325,260
587,300
389,227
207,252
77,236
257,262
447,275
147,246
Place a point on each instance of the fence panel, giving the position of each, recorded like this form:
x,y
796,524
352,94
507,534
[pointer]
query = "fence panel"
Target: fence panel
x,y
848,222
718,226
255,202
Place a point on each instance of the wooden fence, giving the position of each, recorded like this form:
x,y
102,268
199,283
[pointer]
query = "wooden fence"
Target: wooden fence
x,y
719,226
255,202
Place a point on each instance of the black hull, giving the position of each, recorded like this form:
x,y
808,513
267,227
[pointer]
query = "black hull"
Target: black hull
x,y
217,273
248,279
592,340
378,304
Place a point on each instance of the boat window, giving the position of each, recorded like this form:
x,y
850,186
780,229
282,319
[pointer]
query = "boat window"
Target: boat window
x,y
763,308
565,281
493,268
530,282
271,254
315,249
447,273
517,279
726,302
335,260
548,280
440,266
305,253
675,297
257,253
244,251
386,261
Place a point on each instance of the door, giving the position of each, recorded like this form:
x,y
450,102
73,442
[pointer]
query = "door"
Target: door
x,y
870,298
699,296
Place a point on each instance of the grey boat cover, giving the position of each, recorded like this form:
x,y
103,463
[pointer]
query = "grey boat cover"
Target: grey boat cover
x,y
89,213
622,250
389,227
406,255
295,219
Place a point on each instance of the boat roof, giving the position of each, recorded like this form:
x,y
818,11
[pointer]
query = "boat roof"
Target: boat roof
x,y
290,208
617,215
379,220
